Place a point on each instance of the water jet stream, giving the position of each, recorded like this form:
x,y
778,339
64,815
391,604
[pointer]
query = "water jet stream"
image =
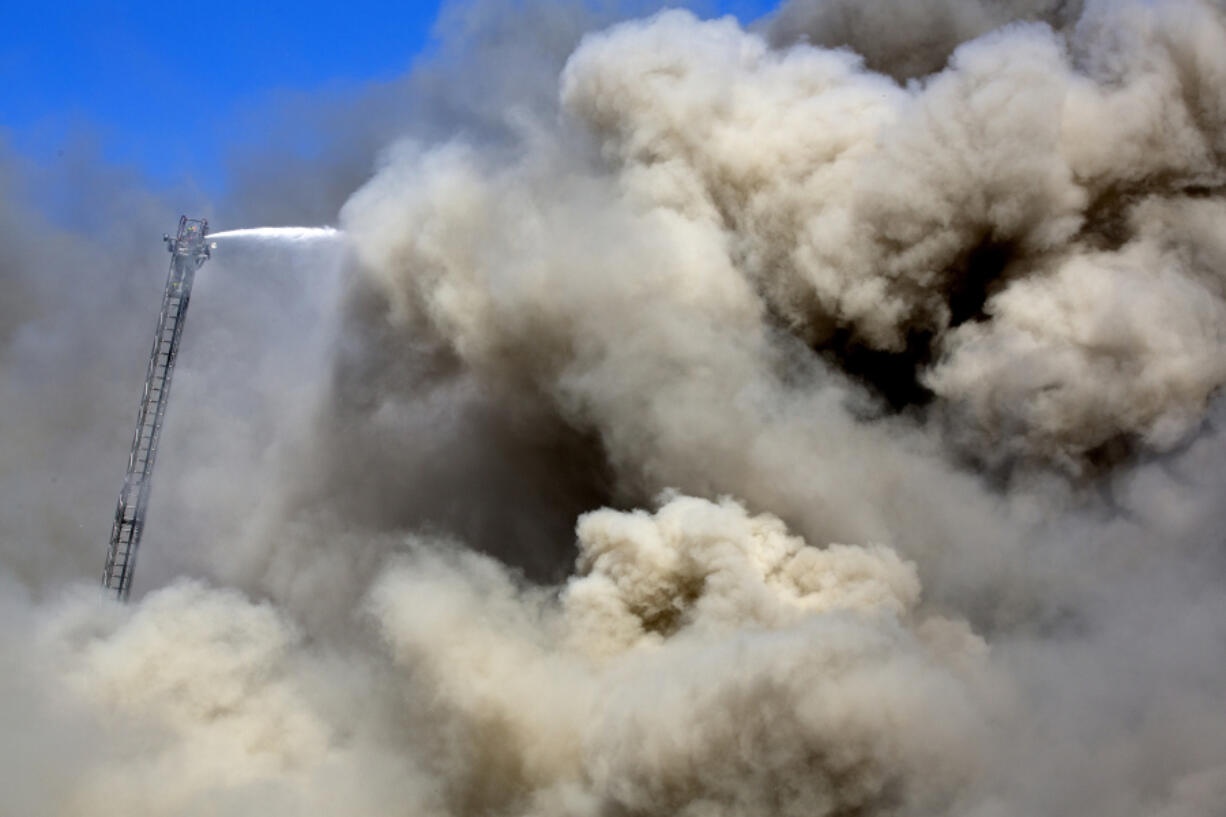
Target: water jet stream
x,y
283,233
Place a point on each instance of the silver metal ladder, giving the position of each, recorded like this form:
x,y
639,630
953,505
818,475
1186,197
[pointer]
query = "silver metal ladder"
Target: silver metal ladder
x,y
189,250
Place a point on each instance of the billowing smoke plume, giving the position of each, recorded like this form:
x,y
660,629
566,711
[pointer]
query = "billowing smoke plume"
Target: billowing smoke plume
x,y
822,419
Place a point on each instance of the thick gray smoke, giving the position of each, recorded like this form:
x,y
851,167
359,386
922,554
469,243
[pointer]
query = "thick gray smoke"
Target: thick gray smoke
x,y
822,419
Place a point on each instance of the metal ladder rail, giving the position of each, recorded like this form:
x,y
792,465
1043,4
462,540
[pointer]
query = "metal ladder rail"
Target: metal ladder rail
x,y
134,497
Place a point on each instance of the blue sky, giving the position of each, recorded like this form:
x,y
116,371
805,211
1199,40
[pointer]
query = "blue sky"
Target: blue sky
x,y
158,86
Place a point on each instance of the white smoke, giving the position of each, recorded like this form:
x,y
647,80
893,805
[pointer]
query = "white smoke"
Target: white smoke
x,y
894,361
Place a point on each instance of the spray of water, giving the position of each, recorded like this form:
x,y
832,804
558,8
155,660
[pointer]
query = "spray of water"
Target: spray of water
x,y
282,233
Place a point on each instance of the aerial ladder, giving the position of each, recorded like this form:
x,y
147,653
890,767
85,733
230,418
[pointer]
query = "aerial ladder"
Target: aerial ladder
x,y
189,249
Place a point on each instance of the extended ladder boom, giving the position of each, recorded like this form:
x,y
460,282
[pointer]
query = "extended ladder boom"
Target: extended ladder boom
x,y
189,250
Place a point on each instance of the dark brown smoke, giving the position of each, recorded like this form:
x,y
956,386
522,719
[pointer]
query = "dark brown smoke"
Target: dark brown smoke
x,y
818,419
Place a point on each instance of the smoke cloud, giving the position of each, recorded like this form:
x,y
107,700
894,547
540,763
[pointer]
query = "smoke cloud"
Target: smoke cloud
x,y
821,418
